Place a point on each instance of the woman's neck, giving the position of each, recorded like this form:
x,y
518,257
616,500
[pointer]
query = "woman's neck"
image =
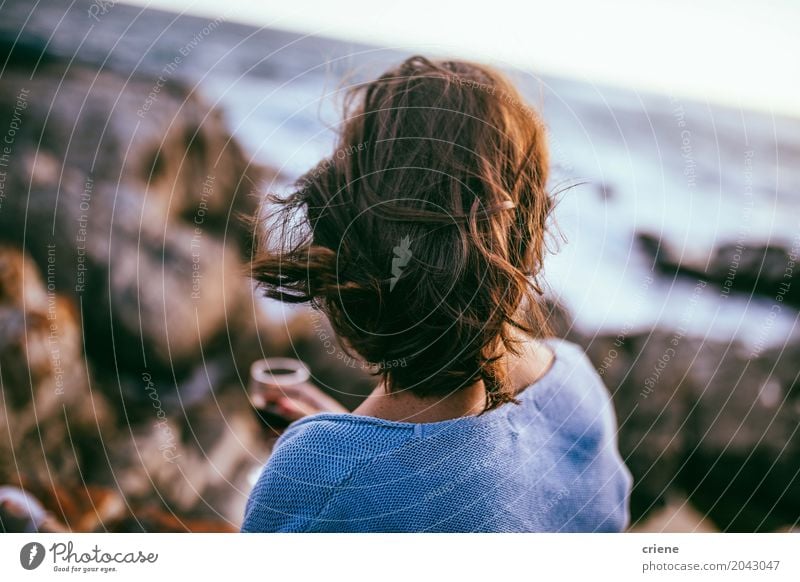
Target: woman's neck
x,y
533,362
406,406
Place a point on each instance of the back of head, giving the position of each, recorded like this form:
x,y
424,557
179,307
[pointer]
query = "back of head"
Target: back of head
x,y
422,235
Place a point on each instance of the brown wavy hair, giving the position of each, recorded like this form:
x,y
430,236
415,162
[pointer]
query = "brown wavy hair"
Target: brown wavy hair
x,y
422,235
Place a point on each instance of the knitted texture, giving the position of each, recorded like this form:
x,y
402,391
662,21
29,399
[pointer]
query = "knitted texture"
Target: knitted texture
x,y
548,464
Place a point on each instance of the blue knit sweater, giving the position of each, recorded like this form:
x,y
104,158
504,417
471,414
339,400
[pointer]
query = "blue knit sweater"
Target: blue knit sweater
x,y
548,464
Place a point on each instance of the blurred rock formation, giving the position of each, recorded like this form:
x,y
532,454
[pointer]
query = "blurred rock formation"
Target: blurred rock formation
x,y
126,324
707,421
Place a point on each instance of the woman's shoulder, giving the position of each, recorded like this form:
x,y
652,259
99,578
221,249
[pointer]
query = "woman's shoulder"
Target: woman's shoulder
x,y
572,396
346,429
329,445
573,369
309,467
568,351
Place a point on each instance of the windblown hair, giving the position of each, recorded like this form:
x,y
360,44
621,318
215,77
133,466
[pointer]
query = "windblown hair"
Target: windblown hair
x,y
422,235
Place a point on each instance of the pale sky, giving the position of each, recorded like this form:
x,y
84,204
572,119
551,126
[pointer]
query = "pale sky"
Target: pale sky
x,y
742,54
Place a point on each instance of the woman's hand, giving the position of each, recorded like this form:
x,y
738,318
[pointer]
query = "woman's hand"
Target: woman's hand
x,y
296,401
